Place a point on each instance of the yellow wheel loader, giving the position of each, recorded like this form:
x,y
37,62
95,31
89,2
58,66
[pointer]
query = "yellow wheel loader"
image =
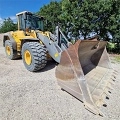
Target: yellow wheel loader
x,y
84,68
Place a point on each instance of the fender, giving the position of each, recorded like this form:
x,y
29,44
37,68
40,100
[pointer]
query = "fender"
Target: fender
x,y
8,36
29,40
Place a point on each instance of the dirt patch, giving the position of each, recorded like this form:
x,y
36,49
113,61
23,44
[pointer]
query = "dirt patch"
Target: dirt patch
x,y
26,95
1,37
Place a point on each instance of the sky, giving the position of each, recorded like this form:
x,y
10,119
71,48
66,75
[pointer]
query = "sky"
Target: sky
x,y
9,8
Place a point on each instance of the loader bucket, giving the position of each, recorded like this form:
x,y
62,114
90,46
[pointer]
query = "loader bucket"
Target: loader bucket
x,y
86,73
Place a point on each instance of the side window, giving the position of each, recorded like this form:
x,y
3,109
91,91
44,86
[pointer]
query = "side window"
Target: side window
x,y
21,22
40,24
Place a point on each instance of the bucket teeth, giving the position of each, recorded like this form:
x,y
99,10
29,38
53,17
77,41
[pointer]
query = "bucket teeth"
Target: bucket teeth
x,y
110,87
101,114
113,79
114,76
107,93
100,102
92,108
112,82
115,73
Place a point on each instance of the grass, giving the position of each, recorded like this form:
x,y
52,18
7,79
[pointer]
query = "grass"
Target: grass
x,y
117,59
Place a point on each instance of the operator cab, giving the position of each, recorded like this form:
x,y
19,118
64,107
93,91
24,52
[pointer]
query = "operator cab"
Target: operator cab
x,y
28,21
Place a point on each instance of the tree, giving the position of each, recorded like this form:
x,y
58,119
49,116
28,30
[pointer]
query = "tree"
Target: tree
x,y
83,18
92,16
7,26
51,13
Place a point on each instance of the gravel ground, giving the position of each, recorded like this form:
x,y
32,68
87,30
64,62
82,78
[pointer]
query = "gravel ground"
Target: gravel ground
x,y
26,95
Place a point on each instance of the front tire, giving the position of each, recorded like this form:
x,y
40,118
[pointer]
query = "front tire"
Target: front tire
x,y
34,56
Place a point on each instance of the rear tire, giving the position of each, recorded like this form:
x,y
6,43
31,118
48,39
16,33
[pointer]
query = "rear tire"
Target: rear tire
x,y
34,56
10,52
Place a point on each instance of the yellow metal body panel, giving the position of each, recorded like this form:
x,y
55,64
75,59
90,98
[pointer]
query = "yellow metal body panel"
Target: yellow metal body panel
x,y
18,36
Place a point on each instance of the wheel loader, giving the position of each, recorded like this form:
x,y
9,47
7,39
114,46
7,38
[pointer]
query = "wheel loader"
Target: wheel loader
x,y
84,68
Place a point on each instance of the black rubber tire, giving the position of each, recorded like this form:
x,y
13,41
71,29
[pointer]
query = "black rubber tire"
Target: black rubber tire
x,y
13,54
38,55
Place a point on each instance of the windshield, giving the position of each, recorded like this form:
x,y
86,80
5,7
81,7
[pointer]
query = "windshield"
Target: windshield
x,y
34,22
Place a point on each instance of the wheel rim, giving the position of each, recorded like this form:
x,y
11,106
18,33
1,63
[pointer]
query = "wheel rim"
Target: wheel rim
x,y
8,50
28,58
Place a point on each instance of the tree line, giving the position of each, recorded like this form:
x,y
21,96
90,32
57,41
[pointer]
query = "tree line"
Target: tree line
x,y
81,19
7,25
